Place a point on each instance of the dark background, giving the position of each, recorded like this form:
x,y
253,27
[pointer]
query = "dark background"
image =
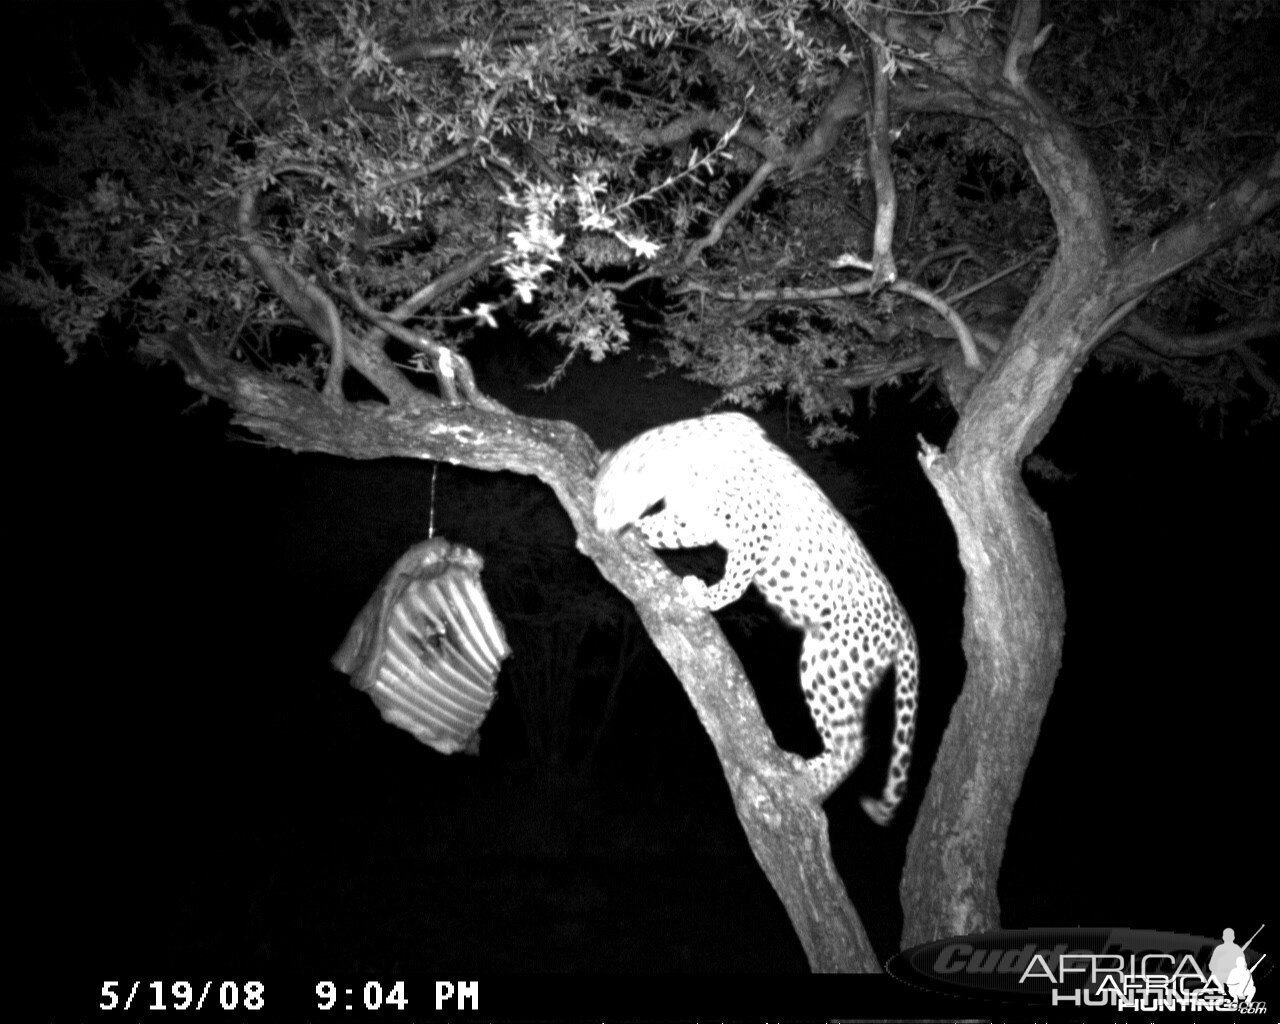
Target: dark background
x,y
196,788
203,787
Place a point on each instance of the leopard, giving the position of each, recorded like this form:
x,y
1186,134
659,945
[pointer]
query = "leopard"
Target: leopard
x,y
719,480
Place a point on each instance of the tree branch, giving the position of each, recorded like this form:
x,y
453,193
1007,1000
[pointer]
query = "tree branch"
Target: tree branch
x,y
446,47
866,374
878,143
963,335
432,291
1254,368
846,102
846,291
961,251
1025,38
317,311
682,128
452,370
784,294
732,210
1194,346
1250,198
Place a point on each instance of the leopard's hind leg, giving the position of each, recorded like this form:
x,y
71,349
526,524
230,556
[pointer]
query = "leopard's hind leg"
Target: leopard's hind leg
x,y
837,685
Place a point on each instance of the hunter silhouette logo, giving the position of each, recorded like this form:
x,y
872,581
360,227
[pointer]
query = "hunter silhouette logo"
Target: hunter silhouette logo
x,y
1229,970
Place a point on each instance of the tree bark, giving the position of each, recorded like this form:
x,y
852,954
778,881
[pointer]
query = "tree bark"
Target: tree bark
x,y
1014,626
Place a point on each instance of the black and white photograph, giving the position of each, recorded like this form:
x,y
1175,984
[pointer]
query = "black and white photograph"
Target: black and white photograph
x,y
648,510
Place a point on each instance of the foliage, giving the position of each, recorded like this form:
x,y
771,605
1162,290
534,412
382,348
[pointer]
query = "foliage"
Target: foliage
x,y
591,147
1167,133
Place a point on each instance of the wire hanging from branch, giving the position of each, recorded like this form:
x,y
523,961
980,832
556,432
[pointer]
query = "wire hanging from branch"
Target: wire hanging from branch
x,y
431,514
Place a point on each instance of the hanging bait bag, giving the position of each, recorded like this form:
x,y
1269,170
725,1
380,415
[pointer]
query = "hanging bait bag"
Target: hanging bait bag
x,y
427,647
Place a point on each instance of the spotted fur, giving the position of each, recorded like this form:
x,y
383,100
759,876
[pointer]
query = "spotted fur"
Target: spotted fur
x,y
719,480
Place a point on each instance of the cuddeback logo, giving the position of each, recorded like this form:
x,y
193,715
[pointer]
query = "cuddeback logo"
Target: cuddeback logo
x,y
1119,968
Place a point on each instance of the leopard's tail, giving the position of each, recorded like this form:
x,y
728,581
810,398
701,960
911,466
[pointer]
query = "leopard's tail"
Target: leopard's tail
x,y
906,670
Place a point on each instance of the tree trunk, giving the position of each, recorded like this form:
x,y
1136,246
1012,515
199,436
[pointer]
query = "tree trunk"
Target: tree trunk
x,y
1014,626
1014,612
1015,615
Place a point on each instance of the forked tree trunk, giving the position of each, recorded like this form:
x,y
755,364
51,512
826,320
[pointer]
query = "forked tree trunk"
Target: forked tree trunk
x,y
1015,620
1014,611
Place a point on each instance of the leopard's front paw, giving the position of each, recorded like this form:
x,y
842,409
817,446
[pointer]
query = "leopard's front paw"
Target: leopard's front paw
x,y
696,589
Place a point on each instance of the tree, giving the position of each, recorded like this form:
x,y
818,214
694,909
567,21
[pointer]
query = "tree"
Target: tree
x,y
312,209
